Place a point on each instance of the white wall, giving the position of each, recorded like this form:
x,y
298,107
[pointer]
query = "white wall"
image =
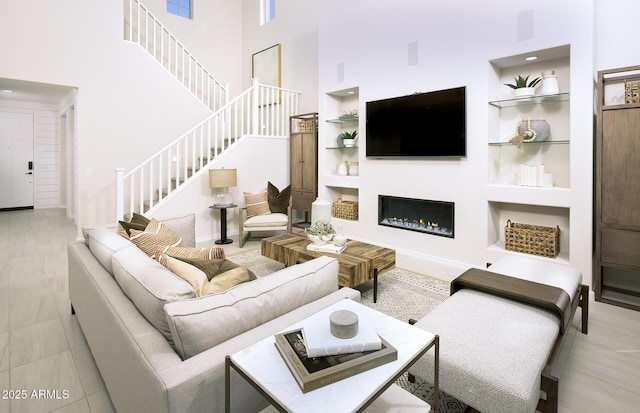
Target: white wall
x,y
616,30
456,39
127,106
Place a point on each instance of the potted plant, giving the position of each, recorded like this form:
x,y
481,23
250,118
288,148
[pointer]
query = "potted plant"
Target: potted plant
x,y
348,138
320,232
523,86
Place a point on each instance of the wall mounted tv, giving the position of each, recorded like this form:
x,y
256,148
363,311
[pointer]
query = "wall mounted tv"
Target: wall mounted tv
x,y
418,125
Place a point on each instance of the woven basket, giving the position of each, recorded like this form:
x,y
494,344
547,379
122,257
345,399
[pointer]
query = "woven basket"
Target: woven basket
x,y
345,209
631,92
532,239
306,125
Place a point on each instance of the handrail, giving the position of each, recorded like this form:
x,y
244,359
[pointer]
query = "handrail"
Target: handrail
x,y
261,110
144,29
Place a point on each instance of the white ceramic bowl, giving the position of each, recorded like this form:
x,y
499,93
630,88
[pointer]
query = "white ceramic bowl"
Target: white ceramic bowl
x,y
320,240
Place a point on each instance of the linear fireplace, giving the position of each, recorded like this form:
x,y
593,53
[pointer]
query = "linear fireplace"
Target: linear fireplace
x,y
421,215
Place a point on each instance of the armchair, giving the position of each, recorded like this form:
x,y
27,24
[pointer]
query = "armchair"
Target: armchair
x,y
274,221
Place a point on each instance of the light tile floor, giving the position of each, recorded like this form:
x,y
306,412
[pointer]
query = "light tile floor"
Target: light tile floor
x,y
45,361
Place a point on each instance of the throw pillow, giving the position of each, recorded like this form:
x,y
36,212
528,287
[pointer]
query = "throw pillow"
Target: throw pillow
x,y
155,234
124,228
139,219
278,200
257,204
222,282
198,279
194,276
188,252
213,268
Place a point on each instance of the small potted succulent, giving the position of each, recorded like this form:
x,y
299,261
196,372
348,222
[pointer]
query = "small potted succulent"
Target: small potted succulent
x,y
523,87
348,138
320,232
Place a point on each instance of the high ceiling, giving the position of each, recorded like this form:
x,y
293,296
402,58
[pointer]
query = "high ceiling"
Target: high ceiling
x,y
32,91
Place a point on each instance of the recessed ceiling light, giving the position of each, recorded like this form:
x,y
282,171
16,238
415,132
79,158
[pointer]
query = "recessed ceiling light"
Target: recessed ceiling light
x,y
7,91
530,58
351,92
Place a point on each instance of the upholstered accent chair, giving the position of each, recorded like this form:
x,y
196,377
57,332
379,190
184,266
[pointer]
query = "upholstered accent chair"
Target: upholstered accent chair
x,y
266,211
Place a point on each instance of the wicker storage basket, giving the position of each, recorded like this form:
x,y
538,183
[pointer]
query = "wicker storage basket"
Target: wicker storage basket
x,y
631,92
532,239
345,209
306,125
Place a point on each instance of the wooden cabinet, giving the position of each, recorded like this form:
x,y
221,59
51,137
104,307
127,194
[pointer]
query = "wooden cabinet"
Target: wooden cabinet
x,y
303,143
617,191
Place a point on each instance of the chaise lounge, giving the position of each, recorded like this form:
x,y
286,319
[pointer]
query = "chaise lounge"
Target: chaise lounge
x,y
504,334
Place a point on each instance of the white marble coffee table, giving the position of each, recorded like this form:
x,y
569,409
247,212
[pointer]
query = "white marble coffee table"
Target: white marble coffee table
x,y
263,367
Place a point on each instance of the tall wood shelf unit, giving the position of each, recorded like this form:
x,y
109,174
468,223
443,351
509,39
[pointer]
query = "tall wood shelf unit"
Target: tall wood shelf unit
x,y
303,158
617,191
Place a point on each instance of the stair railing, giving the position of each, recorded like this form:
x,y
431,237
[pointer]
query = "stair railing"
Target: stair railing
x,y
144,29
259,111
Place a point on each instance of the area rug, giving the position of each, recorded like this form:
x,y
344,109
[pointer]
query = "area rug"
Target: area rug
x,y
402,294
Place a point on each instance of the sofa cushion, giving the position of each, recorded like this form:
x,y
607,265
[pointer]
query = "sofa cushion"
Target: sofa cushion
x,y
268,220
184,226
103,243
199,324
278,200
256,204
149,286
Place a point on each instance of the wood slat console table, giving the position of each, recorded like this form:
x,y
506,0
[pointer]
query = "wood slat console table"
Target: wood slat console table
x,y
359,262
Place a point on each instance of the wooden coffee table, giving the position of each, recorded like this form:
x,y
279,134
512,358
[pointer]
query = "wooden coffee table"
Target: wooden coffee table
x,y
359,262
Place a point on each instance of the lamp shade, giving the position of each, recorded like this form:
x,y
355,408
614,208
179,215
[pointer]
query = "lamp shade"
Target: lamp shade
x,y
222,178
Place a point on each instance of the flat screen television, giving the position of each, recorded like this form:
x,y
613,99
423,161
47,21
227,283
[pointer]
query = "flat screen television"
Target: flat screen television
x,y
419,125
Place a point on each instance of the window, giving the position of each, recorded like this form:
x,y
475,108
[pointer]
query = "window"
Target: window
x,y
179,7
267,11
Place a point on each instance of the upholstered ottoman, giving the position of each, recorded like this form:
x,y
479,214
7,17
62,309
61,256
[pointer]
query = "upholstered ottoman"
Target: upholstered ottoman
x,y
497,342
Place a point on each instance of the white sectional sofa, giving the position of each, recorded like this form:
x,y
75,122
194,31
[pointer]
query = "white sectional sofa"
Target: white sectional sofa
x,y
161,349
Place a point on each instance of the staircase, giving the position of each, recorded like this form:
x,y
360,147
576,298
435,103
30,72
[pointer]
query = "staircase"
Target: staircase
x,y
261,110
142,28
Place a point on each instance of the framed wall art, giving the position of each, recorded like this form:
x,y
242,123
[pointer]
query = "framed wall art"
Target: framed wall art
x,y
265,65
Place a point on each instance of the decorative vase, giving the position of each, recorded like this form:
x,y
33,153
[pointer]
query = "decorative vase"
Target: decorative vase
x,y
342,168
524,92
539,126
549,83
349,143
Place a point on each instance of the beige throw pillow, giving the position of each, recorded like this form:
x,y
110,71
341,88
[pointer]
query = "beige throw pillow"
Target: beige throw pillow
x,y
208,253
194,276
257,204
156,234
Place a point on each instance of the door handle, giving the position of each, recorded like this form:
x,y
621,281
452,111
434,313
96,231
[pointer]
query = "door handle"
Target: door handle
x,y
29,173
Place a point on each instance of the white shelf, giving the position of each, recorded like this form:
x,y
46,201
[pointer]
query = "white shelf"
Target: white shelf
x,y
498,248
529,195
342,181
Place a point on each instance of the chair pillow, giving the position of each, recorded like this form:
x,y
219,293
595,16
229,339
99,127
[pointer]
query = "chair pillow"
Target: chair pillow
x,y
269,220
197,325
149,286
278,200
256,204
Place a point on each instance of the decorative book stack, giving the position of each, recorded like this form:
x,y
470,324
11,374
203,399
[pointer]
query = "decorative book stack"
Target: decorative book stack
x,y
314,372
316,356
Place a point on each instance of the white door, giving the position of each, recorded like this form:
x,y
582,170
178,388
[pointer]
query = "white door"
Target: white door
x,y
16,160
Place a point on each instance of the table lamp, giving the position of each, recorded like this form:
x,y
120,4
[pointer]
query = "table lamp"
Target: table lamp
x,y
222,179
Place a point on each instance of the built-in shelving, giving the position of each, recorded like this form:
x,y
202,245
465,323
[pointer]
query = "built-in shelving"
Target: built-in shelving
x,y
507,196
340,115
